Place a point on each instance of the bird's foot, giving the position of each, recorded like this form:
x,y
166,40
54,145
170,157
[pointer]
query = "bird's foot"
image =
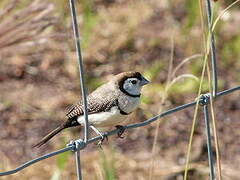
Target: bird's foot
x,y
103,137
121,130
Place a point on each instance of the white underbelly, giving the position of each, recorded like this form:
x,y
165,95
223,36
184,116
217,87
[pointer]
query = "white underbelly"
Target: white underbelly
x,y
104,119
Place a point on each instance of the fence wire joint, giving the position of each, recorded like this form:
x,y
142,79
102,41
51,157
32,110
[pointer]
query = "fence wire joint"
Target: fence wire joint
x,y
204,99
77,145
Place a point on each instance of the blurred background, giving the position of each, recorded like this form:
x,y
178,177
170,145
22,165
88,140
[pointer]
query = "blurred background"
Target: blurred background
x,y
39,80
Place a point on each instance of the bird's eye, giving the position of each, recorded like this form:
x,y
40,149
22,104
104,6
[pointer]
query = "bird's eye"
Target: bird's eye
x,y
133,81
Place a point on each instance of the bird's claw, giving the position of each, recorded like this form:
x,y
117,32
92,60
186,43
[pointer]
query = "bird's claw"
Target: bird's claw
x,y
121,130
103,137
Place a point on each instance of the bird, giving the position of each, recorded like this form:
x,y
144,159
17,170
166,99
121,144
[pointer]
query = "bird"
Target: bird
x,y
107,106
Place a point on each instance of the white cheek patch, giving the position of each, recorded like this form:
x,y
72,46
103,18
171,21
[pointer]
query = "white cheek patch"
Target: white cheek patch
x,y
133,89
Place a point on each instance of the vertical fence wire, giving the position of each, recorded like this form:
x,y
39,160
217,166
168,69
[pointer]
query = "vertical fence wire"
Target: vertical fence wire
x,y
78,165
212,47
80,65
83,89
214,87
209,144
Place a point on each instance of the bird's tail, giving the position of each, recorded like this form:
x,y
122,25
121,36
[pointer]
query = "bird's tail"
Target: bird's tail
x,y
49,136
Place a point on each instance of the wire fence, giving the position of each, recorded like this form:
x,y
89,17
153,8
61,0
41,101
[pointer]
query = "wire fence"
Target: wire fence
x,y
204,100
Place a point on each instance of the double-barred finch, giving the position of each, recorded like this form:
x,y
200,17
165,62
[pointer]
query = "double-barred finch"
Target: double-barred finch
x,y
107,106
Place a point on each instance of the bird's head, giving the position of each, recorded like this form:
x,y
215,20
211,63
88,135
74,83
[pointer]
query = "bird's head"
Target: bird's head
x,y
131,83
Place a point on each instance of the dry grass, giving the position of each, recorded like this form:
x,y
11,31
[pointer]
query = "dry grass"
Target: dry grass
x,y
23,29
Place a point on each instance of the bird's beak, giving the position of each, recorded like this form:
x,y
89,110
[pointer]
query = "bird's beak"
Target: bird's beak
x,y
144,81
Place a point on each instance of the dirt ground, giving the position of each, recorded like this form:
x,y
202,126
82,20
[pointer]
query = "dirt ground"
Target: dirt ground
x,y
39,80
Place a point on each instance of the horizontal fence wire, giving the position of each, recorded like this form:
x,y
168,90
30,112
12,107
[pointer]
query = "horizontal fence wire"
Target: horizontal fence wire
x,y
23,166
72,146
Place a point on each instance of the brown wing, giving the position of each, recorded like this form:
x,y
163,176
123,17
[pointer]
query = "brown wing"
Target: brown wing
x,y
102,99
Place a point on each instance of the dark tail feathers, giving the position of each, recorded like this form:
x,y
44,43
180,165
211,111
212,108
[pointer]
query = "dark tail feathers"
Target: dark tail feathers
x,y
49,136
